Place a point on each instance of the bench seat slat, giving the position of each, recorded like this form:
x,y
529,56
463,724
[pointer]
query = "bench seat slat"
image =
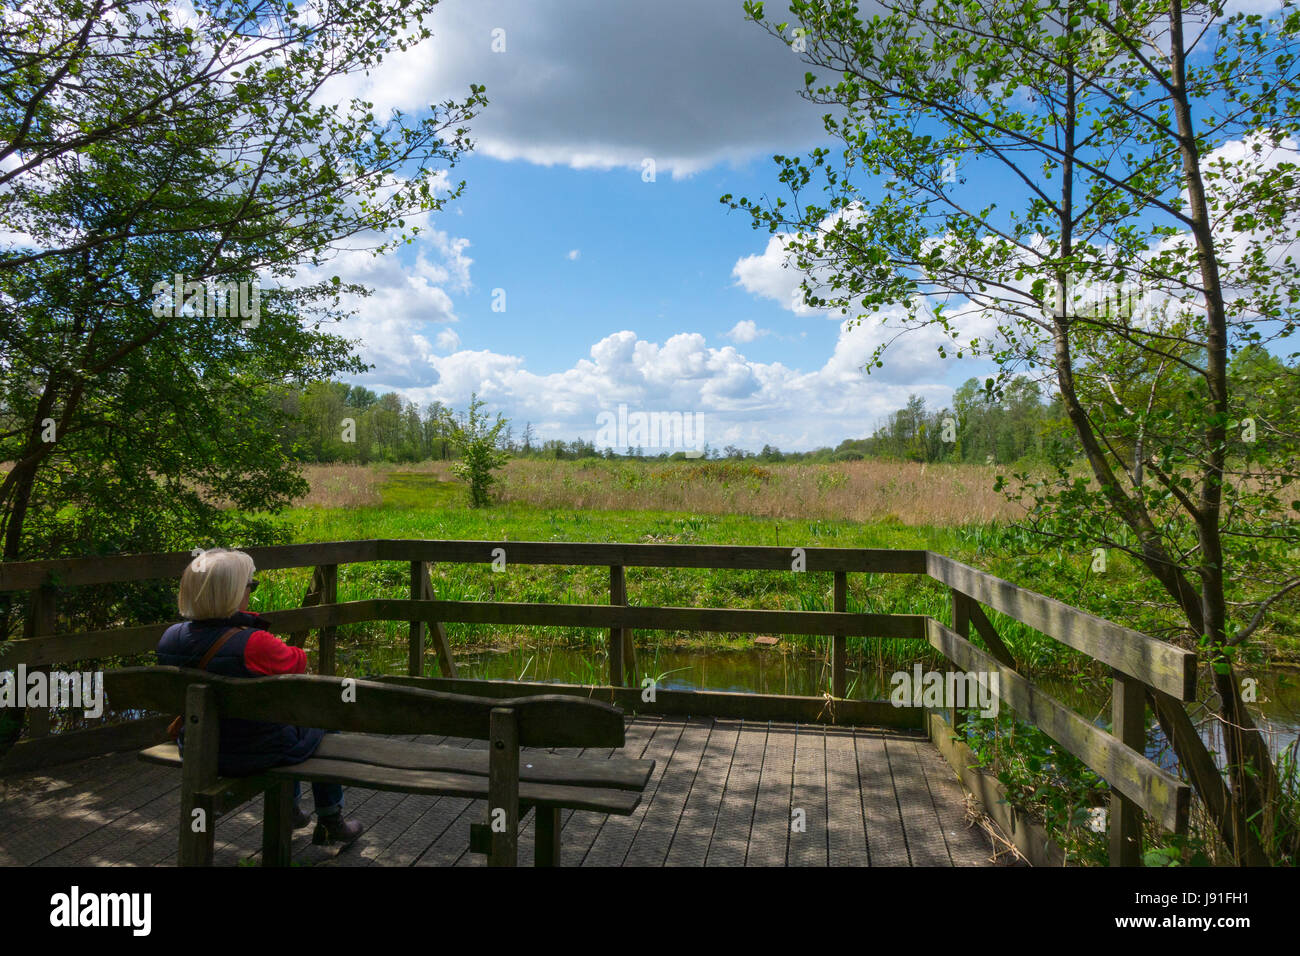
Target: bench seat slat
x,y
615,774
443,783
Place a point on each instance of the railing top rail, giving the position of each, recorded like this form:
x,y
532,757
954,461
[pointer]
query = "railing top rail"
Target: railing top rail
x,y
25,575
119,568
1161,665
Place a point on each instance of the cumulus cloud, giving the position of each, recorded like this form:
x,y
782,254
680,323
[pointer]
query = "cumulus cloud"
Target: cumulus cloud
x,y
573,254
744,331
741,401
409,300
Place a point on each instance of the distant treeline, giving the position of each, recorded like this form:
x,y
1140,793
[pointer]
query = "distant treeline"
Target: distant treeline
x,y
1018,425
335,422
349,423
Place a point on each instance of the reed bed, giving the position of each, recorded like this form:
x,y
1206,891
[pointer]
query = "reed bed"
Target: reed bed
x,y
343,486
907,493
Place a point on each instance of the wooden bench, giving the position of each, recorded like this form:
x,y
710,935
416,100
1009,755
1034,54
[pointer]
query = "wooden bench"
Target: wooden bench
x,y
547,783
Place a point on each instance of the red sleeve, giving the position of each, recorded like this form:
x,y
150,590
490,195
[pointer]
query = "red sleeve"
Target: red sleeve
x,y
267,654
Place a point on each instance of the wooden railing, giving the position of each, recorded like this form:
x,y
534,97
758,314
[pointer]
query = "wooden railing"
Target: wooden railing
x,y
1143,669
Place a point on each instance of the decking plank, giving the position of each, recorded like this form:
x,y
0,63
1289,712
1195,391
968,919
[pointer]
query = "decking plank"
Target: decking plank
x,y
808,846
769,838
925,842
730,841
967,845
64,822
886,839
659,825
846,836
690,845
617,833
721,794
102,846
579,828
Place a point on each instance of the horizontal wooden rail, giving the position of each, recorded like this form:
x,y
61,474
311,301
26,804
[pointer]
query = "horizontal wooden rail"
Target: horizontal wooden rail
x,y
656,618
70,572
1156,791
89,645
112,569
594,554
692,703
1163,666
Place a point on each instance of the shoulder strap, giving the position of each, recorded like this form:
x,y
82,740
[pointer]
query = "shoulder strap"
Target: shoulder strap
x,y
216,646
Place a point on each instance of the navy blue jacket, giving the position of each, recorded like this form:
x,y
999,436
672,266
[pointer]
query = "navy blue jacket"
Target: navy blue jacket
x,y
246,746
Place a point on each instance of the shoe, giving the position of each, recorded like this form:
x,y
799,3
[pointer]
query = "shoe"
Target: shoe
x,y
336,830
300,819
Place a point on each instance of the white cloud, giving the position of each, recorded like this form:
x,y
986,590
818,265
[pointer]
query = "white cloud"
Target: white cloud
x,y
742,401
573,254
744,331
772,275
394,325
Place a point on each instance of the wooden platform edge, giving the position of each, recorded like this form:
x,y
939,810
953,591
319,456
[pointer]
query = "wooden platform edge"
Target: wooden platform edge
x,y
1029,837
77,745
695,703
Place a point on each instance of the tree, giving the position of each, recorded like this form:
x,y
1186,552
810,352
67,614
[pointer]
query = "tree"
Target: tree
x,y
1142,165
476,440
138,150
135,150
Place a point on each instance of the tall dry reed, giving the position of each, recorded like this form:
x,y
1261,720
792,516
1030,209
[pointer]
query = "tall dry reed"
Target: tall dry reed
x,y
870,491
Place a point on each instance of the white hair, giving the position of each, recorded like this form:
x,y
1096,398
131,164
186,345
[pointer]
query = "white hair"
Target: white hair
x,y
213,584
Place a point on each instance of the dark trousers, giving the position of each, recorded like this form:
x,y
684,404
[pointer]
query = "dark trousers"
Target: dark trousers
x,y
328,797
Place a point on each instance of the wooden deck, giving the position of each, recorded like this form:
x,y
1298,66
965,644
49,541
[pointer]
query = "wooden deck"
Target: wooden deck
x,y
724,793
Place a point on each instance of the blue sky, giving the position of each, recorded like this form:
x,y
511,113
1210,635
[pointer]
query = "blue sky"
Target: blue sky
x,y
655,258
618,290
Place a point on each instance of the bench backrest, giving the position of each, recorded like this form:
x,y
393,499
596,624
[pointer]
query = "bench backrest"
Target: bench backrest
x,y
362,706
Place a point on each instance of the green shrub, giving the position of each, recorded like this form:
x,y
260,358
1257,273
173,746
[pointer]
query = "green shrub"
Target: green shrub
x,y
476,442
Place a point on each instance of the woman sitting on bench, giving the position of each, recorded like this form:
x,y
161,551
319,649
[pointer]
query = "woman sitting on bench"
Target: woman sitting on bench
x,y
221,635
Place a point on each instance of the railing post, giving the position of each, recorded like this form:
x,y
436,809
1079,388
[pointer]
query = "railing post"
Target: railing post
x,y
415,654
839,642
326,635
198,772
40,623
617,595
310,599
1128,723
961,624
503,787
